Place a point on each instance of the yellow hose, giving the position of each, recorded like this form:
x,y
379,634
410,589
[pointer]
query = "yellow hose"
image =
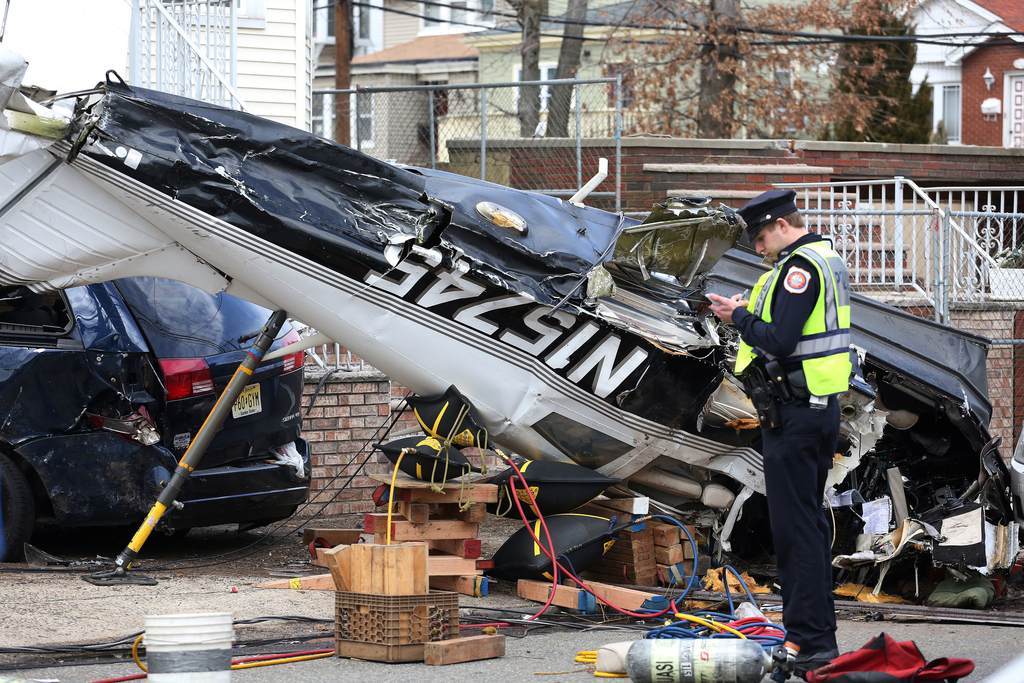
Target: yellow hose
x,y
713,625
285,660
246,665
135,653
590,657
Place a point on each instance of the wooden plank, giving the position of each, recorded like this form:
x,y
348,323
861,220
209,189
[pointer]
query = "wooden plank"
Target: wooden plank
x,y
473,586
323,582
477,512
332,536
676,573
337,559
451,565
463,547
565,596
472,649
673,554
436,565
665,534
399,569
644,560
415,491
571,596
626,598
409,531
414,512
640,505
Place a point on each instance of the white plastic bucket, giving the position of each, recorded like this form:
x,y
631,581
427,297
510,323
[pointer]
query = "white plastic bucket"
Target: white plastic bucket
x,y
189,648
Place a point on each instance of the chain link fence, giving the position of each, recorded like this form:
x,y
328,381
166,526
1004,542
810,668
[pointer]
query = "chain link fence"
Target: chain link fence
x,y
542,136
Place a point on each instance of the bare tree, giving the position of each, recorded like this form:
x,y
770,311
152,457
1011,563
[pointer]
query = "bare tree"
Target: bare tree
x,y
719,57
710,69
528,14
568,65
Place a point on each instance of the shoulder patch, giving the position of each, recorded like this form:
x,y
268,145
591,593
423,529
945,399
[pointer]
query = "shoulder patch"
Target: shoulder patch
x,y
797,280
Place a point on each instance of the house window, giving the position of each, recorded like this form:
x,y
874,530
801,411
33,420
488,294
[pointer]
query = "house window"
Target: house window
x,y
323,116
457,16
363,29
249,9
323,23
459,13
951,111
433,14
364,121
547,73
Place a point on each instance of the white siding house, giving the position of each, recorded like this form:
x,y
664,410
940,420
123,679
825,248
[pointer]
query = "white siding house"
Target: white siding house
x,y
275,59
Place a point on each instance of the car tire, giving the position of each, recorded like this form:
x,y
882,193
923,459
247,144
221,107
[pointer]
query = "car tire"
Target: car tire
x,y
18,509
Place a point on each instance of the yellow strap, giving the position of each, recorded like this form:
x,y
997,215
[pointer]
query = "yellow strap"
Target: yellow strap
x,y
391,496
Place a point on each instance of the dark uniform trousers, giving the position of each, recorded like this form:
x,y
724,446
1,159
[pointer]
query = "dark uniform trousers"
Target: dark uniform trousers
x,y
797,457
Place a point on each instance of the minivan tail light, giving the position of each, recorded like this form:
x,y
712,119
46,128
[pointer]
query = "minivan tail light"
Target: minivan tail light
x,y
293,361
184,377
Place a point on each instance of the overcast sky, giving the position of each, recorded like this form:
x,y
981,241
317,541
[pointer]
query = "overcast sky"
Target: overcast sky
x,y
69,44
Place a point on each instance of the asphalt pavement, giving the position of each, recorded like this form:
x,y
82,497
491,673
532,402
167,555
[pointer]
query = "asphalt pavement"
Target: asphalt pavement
x,y
547,657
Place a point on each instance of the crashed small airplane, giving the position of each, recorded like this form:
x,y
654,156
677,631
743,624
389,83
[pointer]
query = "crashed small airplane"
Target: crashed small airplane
x,y
580,335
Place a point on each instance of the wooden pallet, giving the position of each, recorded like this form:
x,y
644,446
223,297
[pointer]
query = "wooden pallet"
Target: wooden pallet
x,y
422,514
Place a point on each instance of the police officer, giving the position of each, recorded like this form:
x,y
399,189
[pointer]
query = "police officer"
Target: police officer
x,y
795,334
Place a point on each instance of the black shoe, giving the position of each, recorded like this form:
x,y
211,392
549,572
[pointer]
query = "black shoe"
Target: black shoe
x,y
810,662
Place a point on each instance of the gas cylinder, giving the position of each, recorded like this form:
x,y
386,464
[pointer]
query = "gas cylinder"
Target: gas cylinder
x,y
691,660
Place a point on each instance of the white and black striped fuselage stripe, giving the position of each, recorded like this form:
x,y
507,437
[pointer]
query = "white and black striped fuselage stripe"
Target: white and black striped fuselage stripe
x,y
394,304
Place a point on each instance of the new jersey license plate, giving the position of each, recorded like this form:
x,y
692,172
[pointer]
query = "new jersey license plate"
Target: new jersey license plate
x,y
248,402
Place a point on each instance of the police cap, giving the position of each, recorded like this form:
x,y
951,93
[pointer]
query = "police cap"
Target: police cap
x,y
765,208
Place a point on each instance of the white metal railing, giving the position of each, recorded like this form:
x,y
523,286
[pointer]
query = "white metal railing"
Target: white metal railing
x,y
937,243
328,356
187,48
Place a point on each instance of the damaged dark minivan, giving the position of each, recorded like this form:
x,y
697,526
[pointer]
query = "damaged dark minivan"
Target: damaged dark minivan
x,y
103,387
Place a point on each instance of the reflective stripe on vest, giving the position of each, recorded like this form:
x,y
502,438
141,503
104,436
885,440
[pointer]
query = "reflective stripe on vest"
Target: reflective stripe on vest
x,y
824,354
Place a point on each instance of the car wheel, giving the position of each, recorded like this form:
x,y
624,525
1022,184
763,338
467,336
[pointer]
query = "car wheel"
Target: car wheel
x,y
18,509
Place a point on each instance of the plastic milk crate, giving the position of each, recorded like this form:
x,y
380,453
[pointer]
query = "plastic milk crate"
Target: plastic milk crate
x,y
393,628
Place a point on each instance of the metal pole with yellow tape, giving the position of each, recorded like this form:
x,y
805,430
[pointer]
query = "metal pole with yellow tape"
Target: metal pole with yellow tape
x,y
187,464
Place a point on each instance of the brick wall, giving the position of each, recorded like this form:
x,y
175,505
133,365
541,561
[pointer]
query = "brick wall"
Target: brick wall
x,y
531,166
1018,373
996,322
348,412
997,59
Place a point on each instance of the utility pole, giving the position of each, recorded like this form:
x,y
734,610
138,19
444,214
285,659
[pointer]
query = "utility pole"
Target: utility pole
x,y
342,71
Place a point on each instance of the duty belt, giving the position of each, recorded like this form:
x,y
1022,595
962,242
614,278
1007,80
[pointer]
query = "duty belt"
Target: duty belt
x,y
770,385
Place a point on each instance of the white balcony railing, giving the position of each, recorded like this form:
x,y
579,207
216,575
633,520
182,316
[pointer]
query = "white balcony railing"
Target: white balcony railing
x,y
187,48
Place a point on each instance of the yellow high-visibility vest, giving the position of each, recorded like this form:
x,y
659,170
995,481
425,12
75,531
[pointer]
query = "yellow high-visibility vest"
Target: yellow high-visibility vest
x,y
824,346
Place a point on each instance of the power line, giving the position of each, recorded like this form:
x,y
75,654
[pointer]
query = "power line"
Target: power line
x,y
749,29
943,40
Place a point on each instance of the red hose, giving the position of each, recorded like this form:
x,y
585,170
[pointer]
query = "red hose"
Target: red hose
x,y
552,556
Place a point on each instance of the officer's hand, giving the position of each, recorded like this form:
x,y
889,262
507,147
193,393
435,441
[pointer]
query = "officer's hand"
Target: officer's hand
x,y
723,308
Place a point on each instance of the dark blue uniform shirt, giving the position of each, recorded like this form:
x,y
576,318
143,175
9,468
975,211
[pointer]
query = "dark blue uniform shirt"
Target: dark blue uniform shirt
x,y
791,306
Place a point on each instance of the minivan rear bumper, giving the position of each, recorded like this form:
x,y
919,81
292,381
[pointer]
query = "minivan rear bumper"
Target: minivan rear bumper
x,y
253,492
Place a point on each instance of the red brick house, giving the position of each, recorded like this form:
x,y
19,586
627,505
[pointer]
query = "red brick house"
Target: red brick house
x,y
978,91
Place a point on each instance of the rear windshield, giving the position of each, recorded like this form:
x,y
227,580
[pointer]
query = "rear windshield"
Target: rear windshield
x,y
181,321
